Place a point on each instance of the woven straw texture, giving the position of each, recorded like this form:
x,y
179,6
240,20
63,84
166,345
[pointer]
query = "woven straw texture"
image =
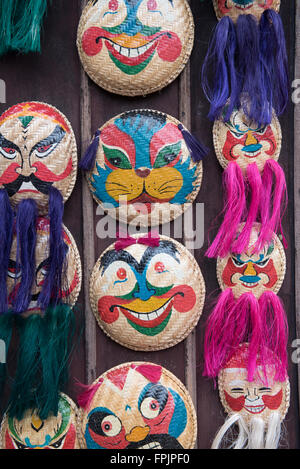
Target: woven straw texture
x,y
37,149
59,432
72,274
135,51
143,170
234,8
246,143
259,398
147,298
146,407
264,271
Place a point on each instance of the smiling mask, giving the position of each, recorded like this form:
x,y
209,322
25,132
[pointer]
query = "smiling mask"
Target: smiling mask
x,y
135,47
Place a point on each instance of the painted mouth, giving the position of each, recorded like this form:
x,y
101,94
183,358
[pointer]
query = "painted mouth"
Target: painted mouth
x,y
135,54
255,409
148,320
27,187
153,445
250,285
252,154
243,7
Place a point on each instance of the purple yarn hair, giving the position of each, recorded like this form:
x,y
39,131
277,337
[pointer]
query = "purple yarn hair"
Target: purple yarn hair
x,y
6,234
26,241
57,252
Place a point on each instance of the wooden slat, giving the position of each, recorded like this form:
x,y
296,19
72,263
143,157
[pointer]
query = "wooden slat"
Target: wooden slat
x,y
88,234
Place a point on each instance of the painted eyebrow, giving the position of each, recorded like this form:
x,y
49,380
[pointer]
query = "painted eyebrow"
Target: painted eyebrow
x,y
7,143
56,137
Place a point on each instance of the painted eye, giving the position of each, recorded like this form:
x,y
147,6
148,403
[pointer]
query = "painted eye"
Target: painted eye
x,y
111,425
262,263
45,150
152,5
9,153
237,262
113,5
121,274
159,267
150,408
167,155
14,272
116,158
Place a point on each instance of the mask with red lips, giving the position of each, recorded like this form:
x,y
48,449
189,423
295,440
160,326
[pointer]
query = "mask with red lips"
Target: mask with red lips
x,y
145,297
137,406
133,47
261,403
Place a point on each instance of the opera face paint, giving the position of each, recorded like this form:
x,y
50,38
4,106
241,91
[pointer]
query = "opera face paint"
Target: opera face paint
x,y
70,288
56,432
144,170
147,297
258,398
234,8
139,406
244,142
142,43
255,273
37,151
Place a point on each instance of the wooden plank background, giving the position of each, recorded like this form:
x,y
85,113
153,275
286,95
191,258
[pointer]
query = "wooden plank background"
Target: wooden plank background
x,y
56,77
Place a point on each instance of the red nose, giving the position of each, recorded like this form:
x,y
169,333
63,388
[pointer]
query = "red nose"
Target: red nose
x,y
142,172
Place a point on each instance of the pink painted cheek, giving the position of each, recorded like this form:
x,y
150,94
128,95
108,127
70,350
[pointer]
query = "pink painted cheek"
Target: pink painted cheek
x,y
169,47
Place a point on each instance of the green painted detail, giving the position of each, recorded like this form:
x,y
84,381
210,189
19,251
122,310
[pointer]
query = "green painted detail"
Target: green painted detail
x,y
151,331
132,69
25,120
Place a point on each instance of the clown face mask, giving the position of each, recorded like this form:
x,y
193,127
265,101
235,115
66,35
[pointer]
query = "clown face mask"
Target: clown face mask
x,y
244,142
234,8
138,406
37,151
71,273
135,47
147,298
31,432
143,169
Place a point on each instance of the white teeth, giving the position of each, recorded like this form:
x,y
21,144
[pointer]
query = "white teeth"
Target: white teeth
x,y
252,153
131,52
245,6
150,316
250,284
153,445
255,409
27,186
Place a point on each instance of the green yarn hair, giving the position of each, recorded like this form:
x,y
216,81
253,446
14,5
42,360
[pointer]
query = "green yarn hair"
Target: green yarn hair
x,y
20,25
45,344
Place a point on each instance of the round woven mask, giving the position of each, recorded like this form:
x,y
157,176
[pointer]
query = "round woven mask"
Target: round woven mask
x,y
143,170
37,151
135,47
244,142
253,273
56,432
147,298
258,398
71,283
139,406
234,8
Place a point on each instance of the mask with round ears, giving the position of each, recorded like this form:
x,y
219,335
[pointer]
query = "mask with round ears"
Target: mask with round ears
x,y
258,407
247,55
135,47
144,165
137,405
248,308
254,183
147,292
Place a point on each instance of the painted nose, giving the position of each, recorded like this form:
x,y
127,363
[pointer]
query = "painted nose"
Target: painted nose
x,y
26,169
137,434
250,271
142,172
250,139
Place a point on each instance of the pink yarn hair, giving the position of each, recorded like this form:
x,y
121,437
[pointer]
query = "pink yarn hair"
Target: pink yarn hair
x,y
234,209
88,391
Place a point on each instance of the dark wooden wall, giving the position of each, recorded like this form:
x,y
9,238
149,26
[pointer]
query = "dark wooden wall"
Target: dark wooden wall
x,y
55,77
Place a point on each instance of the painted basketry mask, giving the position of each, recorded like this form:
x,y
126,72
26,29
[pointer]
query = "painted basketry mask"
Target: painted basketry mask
x,y
234,8
135,47
147,297
144,167
138,406
55,432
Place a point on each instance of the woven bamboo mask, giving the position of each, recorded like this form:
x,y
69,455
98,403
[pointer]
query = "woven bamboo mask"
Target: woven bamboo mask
x,y
56,432
244,142
37,151
139,406
258,398
147,298
71,280
144,170
250,272
234,8
135,47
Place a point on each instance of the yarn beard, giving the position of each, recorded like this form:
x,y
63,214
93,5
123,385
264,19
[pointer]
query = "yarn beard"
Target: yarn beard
x,y
254,183
20,25
247,57
248,310
257,406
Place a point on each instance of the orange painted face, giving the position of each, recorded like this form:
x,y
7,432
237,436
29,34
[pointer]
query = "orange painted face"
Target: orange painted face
x,y
37,151
71,288
234,8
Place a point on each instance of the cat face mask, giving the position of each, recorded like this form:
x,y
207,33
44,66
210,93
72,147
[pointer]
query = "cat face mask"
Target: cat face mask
x,y
135,47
